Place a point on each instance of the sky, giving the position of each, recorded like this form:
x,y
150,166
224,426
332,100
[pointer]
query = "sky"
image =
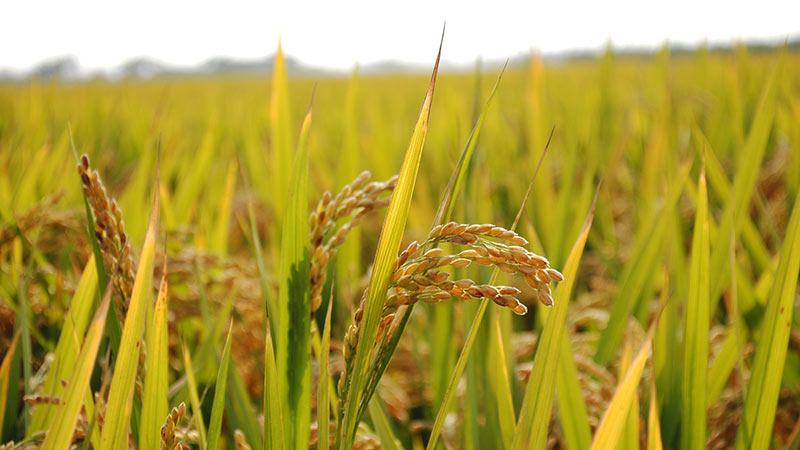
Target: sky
x,y
102,35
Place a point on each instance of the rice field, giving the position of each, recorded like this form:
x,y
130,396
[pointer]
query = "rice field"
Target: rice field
x,y
594,253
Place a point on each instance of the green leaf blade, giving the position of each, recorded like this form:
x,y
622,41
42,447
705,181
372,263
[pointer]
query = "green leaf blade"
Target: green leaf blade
x,y
215,425
155,399
388,247
755,430
293,342
117,419
59,435
696,329
534,421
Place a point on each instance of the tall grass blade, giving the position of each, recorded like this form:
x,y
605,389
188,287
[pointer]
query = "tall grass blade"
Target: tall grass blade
x,y
239,409
24,322
696,328
68,347
59,435
472,334
323,361
272,431
5,376
755,429
273,416
388,246
215,424
451,193
155,402
117,419
571,406
293,339
653,424
745,179
381,424
281,145
194,399
499,385
534,420
630,430
609,431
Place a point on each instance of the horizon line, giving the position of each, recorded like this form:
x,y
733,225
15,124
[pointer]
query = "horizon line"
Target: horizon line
x,y
387,65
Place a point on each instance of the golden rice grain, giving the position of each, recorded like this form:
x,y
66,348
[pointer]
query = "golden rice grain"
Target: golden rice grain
x,y
169,438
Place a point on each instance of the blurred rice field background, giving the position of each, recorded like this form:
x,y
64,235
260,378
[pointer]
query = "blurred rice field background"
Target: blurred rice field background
x,y
694,159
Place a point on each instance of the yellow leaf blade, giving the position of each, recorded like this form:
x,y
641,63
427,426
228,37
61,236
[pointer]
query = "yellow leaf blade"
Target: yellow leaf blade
x,y
59,436
117,419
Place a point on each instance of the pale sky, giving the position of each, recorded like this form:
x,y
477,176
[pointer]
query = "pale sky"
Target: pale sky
x,y
337,34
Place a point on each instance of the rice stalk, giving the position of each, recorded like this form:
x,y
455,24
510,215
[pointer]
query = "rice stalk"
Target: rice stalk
x,y
418,276
351,204
109,229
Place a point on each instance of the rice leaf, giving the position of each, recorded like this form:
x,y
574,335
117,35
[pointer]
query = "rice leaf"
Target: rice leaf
x,y
194,399
388,247
12,395
67,349
24,321
281,145
499,385
239,409
630,431
5,376
653,424
117,419
444,347
59,435
215,425
323,361
267,301
571,406
755,429
696,329
718,182
731,352
155,402
273,416
293,339
272,436
609,431
442,216
534,420
472,334
749,164
381,425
